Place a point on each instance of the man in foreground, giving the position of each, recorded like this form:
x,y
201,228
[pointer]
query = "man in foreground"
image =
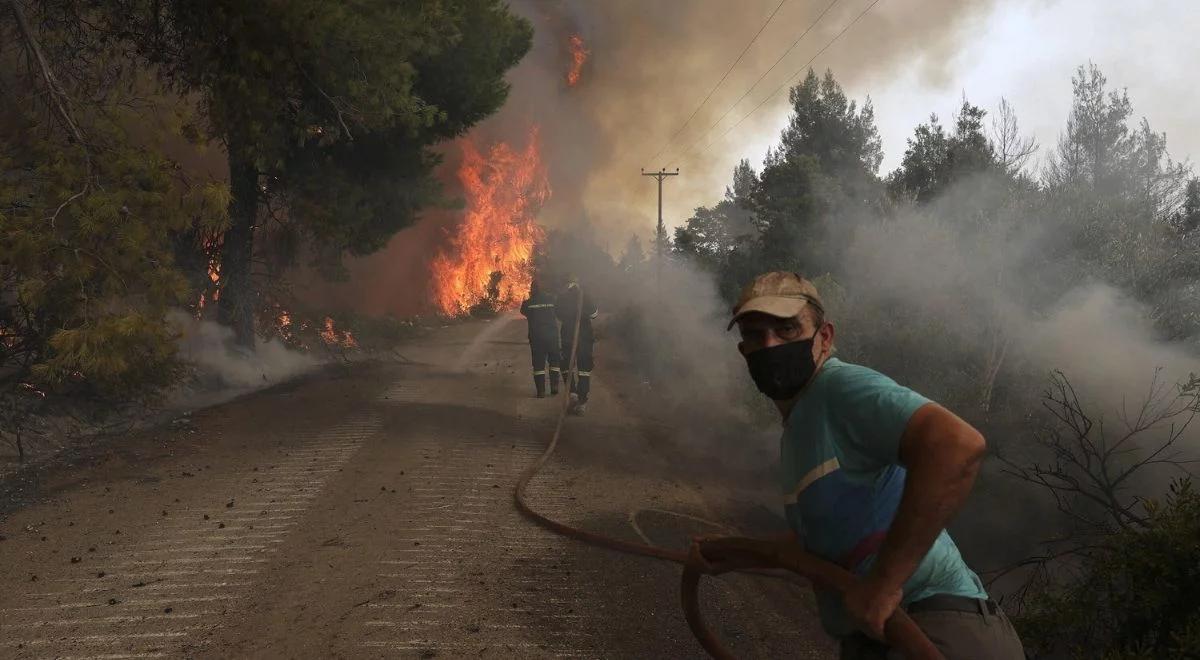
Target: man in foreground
x,y
543,338
872,473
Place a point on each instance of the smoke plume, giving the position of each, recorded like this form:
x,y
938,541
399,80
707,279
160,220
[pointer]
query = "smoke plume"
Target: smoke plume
x,y
648,66
221,371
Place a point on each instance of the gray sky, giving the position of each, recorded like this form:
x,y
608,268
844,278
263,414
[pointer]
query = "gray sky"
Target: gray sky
x,y
1022,50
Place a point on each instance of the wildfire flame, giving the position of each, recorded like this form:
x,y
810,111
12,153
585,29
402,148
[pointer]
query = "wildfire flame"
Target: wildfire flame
x,y
293,332
579,55
212,248
505,189
334,337
283,325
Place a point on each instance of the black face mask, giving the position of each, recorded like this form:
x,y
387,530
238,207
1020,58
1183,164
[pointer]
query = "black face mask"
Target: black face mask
x,y
780,372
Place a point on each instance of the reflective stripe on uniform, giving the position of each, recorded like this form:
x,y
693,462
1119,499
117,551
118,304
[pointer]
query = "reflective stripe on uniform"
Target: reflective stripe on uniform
x,y
555,369
540,373
539,306
585,374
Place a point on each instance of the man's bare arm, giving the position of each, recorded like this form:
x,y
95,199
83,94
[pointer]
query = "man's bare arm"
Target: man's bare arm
x,y
942,454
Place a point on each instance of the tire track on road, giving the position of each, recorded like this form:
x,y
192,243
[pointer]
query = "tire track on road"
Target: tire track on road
x,y
156,595
463,566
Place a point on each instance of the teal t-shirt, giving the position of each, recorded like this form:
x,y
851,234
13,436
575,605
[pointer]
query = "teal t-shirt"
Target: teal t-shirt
x,y
842,482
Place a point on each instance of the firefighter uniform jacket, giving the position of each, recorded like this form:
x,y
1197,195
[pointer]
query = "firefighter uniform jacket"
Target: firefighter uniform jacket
x,y
539,309
567,308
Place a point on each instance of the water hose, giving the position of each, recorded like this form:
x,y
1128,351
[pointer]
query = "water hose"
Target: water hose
x,y
716,556
741,554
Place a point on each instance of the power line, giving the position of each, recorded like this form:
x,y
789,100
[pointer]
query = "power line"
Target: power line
x,y
760,78
792,77
745,50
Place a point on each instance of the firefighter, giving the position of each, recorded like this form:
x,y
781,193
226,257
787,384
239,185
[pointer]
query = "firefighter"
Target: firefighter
x,y
576,306
543,338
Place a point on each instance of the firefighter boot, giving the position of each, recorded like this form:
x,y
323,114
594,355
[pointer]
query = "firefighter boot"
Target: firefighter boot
x,y
539,382
553,381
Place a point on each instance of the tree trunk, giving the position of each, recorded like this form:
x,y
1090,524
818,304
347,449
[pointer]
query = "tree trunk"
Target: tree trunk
x,y
235,307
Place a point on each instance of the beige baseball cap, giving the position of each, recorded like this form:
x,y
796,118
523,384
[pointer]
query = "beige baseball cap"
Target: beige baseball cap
x,y
778,293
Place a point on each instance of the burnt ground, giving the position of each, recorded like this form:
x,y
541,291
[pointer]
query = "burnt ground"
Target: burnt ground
x,y
367,512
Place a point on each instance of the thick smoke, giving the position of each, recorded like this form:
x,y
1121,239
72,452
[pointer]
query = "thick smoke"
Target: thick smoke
x,y
649,65
975,295
968,286
1108,344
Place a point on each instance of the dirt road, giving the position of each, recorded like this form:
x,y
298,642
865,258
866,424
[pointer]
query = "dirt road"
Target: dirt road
x,y
368,512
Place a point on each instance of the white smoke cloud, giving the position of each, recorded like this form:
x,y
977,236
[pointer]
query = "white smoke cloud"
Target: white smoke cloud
x,y
221,370
1107,345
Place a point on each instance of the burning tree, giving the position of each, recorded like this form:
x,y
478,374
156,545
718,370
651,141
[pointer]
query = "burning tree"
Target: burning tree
x,y
491,254
326,110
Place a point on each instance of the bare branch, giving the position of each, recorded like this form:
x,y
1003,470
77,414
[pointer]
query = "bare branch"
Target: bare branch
x,y
61,102
336,106
1012,149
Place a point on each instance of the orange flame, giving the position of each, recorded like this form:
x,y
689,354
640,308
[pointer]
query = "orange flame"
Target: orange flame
x,y
212,249
283,325
579,55
505,189
333,337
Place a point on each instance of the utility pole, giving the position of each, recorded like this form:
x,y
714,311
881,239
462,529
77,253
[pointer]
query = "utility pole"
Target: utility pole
x,y
660,231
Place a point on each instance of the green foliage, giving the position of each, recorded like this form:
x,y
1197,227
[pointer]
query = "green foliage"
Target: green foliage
x,y
934,160
986,237
117,355
327,110
1114,194
820,180
712,234
833,130
799,212
1135,596
87,257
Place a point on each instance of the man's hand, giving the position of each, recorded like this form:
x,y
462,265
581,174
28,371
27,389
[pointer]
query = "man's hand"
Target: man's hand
x,y
870,604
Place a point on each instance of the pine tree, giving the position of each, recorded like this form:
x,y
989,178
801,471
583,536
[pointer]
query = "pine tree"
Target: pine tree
x,y
713,232
91,211
935,160
1095,149
326,108
824,168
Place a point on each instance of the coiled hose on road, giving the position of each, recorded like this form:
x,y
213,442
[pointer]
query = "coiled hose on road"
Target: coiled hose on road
x,y
734,553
